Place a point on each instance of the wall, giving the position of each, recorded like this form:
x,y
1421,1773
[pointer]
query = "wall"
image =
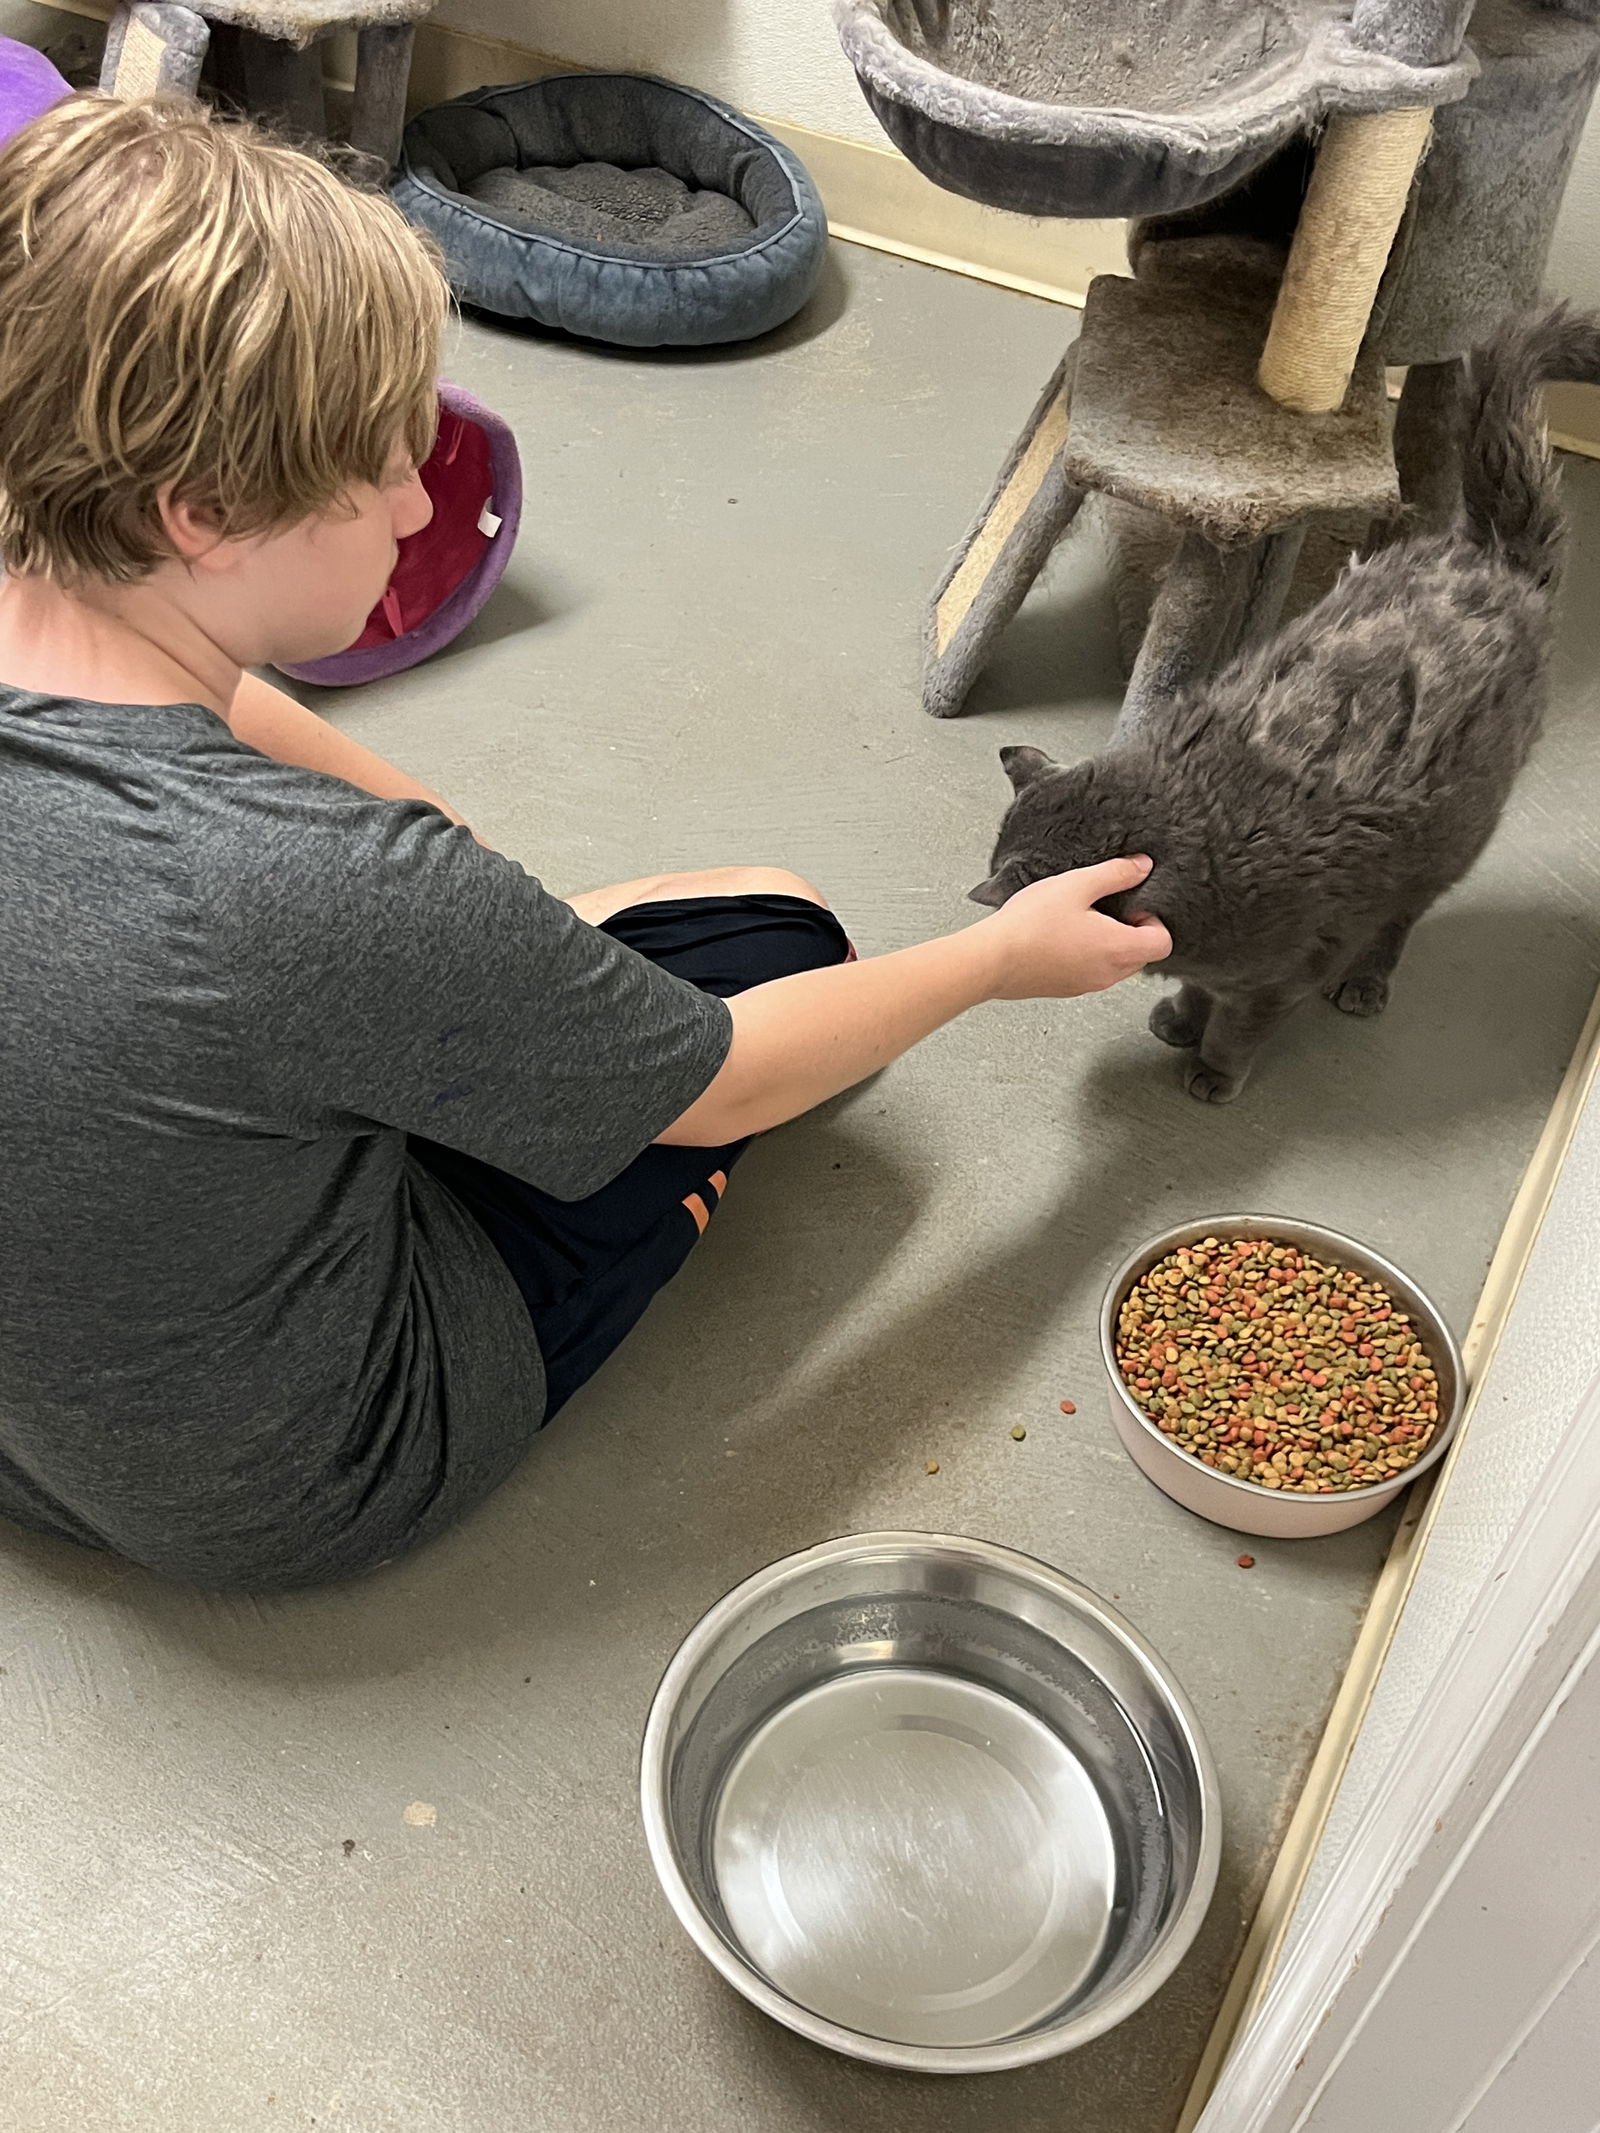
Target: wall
x,y
1450,1979
774,58
1549,1352
1574,267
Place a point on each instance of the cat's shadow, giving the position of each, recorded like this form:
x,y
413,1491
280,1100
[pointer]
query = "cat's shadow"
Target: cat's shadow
x,y
1481,990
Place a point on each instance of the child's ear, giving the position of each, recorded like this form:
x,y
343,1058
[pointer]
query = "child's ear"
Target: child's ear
x,y
1023,765
1002,885
191,527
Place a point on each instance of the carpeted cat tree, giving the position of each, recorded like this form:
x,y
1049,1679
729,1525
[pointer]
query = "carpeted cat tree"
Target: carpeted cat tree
x,y
1317,188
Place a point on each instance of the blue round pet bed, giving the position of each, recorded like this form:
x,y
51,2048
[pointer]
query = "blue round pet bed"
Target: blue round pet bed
x,y
616,206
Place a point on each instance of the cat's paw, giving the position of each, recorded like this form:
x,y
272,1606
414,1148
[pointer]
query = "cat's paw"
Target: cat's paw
x,y
1359,996
1209,1085
1172,1026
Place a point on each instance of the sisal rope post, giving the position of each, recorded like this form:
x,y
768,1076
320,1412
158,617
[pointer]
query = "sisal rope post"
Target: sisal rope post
x,y
1357,195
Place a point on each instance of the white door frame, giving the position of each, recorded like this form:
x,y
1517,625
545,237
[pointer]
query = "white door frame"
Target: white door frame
x,y
1485,1744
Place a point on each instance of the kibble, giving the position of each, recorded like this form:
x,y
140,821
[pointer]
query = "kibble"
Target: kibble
x,y
1277,1368
1018,1432
1245,1562
933,1466
1068,1408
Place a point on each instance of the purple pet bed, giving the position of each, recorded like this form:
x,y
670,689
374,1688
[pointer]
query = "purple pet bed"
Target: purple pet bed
x,y
28,85
446,572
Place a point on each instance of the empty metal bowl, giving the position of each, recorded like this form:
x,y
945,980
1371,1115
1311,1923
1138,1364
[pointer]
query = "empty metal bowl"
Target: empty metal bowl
x,y
930,1803
1245,1505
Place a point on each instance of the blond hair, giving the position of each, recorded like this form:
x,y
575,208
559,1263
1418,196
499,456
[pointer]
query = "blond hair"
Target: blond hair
x,y
189,307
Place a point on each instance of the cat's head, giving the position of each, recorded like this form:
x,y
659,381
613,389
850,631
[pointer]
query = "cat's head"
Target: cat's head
x,y
1066,818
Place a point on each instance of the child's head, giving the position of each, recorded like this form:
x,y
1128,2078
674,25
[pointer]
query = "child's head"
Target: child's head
x,y
217,365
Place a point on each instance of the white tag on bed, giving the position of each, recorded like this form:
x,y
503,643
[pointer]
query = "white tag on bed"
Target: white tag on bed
x,y
488,524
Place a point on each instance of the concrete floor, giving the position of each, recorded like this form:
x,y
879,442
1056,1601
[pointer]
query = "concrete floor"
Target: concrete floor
x,y
226,1906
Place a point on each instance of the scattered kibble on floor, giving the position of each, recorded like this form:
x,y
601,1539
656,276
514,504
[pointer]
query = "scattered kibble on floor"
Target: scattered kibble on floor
x,y
1019,1432
1277,1368
1246,1562
1068,1407
933,1466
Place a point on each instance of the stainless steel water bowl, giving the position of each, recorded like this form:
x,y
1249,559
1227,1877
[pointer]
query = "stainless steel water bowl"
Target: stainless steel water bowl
x,y
930,1803
1245,1506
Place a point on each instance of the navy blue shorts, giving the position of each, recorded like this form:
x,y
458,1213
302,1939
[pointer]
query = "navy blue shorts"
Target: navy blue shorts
x,y
587,1269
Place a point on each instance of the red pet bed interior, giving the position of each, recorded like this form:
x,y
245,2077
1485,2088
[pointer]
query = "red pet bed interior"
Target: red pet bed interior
x,y
459,479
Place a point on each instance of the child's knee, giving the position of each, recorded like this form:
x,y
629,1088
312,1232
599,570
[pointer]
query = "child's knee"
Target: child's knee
x,y
771,881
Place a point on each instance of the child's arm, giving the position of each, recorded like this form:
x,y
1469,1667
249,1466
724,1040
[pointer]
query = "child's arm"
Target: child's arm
x,y
275,725
798,1041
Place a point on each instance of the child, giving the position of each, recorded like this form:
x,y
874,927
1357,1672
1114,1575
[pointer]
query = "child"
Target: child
x,y
336,1152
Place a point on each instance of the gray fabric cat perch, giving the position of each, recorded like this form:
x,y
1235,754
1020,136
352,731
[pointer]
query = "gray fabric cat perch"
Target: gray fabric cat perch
x,y
1102,107
1270,152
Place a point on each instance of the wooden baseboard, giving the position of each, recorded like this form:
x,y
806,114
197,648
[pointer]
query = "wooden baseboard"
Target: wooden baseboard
x,y
1574,412
875,197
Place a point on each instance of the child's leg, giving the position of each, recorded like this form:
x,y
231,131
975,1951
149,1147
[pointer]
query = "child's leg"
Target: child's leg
x,y
588,1268
599,905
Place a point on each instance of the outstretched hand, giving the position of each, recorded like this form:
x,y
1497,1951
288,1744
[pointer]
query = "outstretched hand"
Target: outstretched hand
x,y
801,1039
1050,943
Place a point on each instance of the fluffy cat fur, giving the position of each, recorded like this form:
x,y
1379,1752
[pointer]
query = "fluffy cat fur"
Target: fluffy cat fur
x,y
1305,808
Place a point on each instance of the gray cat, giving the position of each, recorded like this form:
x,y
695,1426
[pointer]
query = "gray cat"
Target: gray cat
x,y
1306,807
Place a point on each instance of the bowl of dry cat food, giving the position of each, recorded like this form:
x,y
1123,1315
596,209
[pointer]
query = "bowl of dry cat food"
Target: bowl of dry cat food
x,y
1276,1377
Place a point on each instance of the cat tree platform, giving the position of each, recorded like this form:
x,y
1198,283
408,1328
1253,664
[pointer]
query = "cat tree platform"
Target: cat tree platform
x,y
1161,408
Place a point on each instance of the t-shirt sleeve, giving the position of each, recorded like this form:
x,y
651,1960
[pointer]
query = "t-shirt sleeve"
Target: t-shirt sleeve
x,y
391,970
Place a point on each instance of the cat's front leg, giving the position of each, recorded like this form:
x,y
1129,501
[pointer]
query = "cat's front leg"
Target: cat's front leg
x,y
1179,1018
1239,1024
1363,988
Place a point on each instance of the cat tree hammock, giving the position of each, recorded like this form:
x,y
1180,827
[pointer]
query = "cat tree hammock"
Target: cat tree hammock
x,y
1317,189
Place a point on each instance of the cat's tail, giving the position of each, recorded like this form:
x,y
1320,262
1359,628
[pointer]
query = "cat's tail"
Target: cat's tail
x,y
1510,497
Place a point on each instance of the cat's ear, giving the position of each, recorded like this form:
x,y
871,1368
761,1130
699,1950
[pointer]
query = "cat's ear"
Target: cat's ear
x,y
1002,884
1023,765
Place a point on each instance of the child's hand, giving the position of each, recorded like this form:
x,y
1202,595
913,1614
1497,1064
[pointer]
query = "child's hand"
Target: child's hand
x,y
1049,942
801,1039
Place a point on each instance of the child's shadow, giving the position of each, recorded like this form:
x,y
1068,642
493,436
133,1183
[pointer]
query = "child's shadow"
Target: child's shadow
x,y
812,1217
746,1413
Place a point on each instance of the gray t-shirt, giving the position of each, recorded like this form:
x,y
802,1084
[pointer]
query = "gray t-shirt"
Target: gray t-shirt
x,y
245,1338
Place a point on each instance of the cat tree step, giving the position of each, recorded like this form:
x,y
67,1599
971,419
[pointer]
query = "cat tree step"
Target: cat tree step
x,y
1159,406
1168,415
1167,412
